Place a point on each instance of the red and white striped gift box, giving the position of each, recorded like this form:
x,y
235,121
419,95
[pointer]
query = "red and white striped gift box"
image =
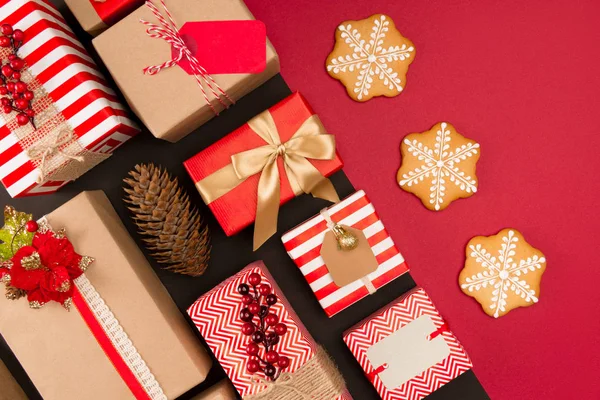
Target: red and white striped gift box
x,y
217,316
78,89
303,244
434,355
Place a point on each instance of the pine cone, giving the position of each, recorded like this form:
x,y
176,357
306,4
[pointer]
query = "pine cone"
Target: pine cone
x,y
12,293
173,230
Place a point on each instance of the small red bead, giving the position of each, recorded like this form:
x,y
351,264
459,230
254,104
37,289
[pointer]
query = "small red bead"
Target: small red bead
x,y
18,35
21,104
253,366
280,329
7,29
5,101
264,289
271,299
31,226
272,357
3,90
258,337
252,349
28,95
283,362
22,119
254,278
30,113
271,319
4,41
16,75
7,70
7,109
270,370
11,87
11,57
272,338
17,64
254,308
248,328
20,87
247,299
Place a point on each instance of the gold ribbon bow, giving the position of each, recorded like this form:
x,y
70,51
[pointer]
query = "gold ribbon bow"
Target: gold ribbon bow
x,y
309,142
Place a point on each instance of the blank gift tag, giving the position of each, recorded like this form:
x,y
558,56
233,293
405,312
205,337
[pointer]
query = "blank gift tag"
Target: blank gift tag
x,y
408,352
225,47
348,266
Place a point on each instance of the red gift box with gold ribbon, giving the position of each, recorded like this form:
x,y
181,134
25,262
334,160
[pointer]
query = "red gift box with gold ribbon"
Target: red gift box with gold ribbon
x,y
277,155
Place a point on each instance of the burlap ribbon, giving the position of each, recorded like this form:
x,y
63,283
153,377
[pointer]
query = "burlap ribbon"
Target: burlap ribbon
x,y
318,379
51,144
309,142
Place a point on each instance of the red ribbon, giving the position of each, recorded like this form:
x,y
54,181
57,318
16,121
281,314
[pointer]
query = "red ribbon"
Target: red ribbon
x,y
111,11
109,349
168,31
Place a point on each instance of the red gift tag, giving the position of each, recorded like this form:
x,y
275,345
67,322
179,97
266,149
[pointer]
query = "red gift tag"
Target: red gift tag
x,y
226,47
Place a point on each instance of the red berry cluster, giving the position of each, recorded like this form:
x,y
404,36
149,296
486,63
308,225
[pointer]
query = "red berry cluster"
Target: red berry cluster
x,y
267,331
16,95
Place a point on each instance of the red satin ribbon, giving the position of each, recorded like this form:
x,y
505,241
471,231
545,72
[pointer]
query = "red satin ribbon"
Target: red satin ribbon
x,y
111,11
107,346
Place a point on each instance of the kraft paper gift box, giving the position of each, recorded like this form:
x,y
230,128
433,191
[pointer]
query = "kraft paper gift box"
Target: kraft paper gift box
x,y
9,388
221,391
406,349
171,103
235,201
310,371
123,334
95,16
368,268
78,120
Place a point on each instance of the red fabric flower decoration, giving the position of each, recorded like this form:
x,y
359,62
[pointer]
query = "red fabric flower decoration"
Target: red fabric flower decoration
x,y
46,269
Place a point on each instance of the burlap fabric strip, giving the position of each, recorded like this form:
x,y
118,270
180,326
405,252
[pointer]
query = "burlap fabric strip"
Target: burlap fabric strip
x,y
318,379
52,144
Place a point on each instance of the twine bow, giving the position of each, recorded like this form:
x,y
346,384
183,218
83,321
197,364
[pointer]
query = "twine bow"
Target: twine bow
x,y
309,142
168,31
284,382
43,151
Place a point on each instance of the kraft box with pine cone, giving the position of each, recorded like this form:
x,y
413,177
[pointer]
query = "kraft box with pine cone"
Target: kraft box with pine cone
x,y
123,336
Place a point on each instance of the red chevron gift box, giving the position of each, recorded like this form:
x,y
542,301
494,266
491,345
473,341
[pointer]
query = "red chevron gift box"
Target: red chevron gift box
x,y
277,155
371,267
95,16
406,349
281,363
58,117
122,334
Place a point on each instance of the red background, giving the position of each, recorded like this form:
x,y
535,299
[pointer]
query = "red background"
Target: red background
x,y
521,78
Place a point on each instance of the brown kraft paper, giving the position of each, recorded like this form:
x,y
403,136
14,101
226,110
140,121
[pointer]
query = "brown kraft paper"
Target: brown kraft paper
x,y
171,103
9,388
87,16
55,347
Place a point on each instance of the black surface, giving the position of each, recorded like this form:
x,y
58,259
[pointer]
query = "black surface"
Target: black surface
x,y
229,255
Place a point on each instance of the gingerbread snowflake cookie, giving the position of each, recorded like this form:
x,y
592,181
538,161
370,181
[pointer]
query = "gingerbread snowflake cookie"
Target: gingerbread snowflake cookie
x,y
370,58
438,166
502,272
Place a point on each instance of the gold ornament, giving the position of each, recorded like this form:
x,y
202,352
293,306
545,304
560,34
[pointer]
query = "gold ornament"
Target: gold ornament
x,y
346,240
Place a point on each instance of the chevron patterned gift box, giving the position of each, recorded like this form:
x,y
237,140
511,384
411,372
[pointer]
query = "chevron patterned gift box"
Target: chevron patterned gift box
x,y
78,119
406,348
217,316
304,242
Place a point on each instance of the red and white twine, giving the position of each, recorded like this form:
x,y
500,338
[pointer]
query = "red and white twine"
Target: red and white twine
x,y
168,31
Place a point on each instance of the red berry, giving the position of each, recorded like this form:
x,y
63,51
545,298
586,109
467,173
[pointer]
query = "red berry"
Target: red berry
x,y
272,319
22,119
16,75
264,310
20,87
7,29
21,104
248,328
253,366
270,370
252,349
264,289
272,357
7,71
30,113
280,329
254,278
5,101
28,95
3,90
11,57
17,64
258,337
11,87
247,299
243,289
272,338
254,308
18,35
7,109
283,362
4,41
246,315
31,226
271,299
